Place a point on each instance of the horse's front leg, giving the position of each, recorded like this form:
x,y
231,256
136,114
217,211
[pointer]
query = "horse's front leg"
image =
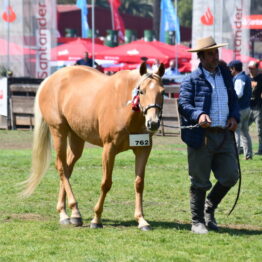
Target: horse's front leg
x,y
142,155
108,159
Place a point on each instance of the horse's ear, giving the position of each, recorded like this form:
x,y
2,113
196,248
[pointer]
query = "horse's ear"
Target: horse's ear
x,y
143,69
161,70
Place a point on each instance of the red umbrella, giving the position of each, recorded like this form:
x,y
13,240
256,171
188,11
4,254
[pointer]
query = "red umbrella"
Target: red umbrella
x,y
74,50
181,54
13,49
133,51
121,66
180,51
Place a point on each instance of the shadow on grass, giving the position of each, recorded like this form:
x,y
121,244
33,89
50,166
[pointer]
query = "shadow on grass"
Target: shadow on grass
x,y
240,231
154,224
179,225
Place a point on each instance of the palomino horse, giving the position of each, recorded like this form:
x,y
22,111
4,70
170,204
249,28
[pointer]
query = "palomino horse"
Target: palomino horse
x,y
78,104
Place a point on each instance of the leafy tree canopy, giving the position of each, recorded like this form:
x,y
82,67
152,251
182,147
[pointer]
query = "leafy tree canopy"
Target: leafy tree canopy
x,y
145,8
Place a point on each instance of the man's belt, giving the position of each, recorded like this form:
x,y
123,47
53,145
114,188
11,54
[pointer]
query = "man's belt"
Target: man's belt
x,y
216,129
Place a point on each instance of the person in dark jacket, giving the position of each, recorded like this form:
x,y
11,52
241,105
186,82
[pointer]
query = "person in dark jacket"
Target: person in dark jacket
x,y
208,106
242,85
87,61
256,101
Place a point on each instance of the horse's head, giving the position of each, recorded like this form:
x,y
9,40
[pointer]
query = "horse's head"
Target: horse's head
x,y
151,92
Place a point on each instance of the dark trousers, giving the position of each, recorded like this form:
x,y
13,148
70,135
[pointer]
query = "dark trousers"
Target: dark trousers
x,y
217,154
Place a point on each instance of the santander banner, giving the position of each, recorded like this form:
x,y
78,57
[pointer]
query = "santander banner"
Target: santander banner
x,y
224,21
43,31
31,25
3,96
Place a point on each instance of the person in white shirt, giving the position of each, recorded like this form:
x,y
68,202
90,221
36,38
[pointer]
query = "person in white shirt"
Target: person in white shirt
x,y
172,69
156,65
242,85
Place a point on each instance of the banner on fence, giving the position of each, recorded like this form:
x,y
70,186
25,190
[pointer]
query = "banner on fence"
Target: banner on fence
x,y
28,29
3,96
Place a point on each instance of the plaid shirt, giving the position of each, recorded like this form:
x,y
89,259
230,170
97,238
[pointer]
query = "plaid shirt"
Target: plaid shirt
x,y
219,107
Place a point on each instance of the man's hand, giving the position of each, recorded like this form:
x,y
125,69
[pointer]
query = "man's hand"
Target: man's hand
x,y
204,121
232,124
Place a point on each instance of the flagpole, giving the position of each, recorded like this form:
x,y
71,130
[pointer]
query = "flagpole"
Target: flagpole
x,y
214,26
112,16
8,39
93,32
176,38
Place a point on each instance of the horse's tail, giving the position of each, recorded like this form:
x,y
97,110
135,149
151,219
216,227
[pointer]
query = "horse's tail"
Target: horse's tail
x,y
41,151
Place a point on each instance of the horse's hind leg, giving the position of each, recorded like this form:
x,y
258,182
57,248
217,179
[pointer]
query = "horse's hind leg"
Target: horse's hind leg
x,y
74,152
60,145
108,159
142,155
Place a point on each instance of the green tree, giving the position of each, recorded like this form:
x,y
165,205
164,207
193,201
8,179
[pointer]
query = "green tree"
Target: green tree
x,y
148,8
62,2
156,17
184,10
133,7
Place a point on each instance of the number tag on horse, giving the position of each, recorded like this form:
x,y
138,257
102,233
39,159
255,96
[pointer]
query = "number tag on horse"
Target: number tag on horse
x,y
139,140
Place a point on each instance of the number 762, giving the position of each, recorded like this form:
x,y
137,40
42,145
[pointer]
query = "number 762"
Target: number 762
x,y
142,142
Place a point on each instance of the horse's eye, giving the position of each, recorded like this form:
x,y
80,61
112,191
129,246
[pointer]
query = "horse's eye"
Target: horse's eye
x,y
141,92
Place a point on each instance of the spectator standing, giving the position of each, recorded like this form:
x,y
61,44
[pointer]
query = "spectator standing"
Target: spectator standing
x,y
156,65
207,98
242,85
171,70
256,101
87,61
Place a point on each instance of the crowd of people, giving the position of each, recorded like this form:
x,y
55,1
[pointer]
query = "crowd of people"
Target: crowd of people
x,y
248,88
170,72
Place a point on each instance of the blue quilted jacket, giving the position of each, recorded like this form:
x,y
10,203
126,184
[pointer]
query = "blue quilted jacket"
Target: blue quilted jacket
x,y
195,99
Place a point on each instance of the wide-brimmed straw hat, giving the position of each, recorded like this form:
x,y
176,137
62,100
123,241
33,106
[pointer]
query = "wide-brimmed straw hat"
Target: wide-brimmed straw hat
x,y
206,43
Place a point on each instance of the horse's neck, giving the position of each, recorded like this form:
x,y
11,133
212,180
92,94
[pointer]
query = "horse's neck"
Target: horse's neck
x,y
124,86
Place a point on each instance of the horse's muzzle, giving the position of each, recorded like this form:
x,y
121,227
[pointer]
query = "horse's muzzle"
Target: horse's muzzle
x,y
152,126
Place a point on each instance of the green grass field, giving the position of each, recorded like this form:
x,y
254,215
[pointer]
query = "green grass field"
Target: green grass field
x,y
29,229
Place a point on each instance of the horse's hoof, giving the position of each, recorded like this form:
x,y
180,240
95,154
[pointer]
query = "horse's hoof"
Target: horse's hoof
x,y
65,221
76,221
146,228
94,225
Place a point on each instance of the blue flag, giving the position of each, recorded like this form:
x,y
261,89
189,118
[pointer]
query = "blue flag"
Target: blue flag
x,y
169,21
84,11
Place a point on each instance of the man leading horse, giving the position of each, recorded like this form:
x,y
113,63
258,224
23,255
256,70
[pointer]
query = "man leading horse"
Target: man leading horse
x,y
208,99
